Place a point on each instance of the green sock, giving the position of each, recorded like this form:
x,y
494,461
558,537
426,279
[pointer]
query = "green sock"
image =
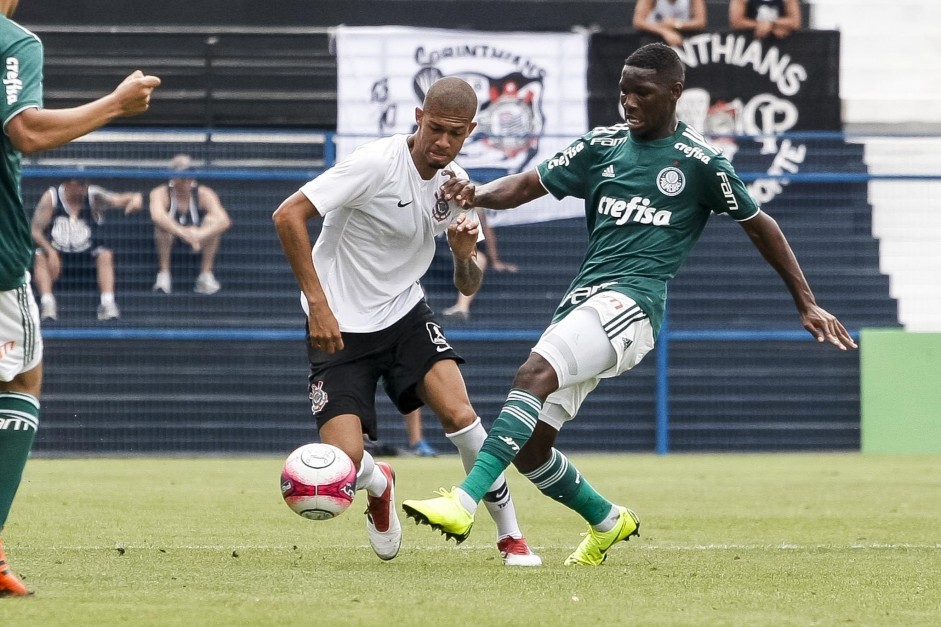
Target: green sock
x,y
511,431
19,419
560,480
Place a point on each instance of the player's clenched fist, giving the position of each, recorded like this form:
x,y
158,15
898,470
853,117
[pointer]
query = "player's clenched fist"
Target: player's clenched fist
x,y
133,94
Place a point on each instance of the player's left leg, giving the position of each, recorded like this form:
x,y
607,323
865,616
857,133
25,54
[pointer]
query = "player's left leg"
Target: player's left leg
x,y
20,384
452,513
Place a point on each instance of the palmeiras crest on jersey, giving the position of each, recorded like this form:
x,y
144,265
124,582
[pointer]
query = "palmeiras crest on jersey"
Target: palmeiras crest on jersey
x,y
318,397
509,90
671,181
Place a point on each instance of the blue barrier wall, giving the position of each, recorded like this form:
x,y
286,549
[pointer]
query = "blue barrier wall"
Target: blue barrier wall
x,y
227,372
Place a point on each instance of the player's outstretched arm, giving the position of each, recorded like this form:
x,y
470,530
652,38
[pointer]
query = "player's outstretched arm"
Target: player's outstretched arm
x,y
768,238
34,130
503,193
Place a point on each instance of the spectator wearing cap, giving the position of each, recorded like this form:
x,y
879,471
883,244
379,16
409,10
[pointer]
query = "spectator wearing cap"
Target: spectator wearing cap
x,y
182,209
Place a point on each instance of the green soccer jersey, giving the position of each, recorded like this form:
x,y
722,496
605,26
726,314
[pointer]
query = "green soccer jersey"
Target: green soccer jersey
x,y
22,83
646,204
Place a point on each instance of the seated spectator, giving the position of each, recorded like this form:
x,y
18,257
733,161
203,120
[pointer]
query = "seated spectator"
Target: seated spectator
x,y
779,18
64,227
670,19
183,209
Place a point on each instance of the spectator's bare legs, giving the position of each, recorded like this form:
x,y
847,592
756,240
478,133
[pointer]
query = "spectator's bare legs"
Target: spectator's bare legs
x,y
413,427
210,247
44,277
104,265
416,439
163,241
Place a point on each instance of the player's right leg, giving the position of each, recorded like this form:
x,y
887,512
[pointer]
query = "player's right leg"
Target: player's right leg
x,y
444,391
376,478
343,394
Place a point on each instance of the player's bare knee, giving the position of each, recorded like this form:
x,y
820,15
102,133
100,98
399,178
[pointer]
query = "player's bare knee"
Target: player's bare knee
x,y
458,418
537,376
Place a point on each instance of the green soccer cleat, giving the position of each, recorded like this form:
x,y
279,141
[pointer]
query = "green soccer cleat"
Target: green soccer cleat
x,y
444,513
594,548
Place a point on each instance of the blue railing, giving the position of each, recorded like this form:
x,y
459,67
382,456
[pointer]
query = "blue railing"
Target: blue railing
x,y
666,337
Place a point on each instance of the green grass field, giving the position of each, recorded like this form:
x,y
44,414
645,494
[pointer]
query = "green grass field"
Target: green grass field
x,y
725,540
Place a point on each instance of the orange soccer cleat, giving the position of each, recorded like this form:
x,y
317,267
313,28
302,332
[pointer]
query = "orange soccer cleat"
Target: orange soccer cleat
x,y
10,584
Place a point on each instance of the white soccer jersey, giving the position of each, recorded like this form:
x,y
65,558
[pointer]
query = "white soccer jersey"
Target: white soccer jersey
x,y
377,240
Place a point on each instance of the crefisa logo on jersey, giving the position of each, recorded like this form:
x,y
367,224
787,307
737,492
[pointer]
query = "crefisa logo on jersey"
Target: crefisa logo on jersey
x,y
509,88
671,181
11,80
763,115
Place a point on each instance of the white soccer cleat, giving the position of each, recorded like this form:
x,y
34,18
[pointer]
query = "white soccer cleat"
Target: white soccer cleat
x,y
382,523
516,552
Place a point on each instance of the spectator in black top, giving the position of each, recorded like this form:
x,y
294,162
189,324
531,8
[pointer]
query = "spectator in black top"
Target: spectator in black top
x,y
64,226
183,209
670,20
779,18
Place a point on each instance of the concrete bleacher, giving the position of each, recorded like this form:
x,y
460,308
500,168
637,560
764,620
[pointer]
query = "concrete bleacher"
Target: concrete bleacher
x,y
250,396
212,76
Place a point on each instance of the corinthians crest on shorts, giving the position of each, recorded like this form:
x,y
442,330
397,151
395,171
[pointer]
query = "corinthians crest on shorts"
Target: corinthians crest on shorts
x,y
318,397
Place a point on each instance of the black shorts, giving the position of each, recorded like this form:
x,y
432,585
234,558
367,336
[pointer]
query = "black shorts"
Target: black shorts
x,y
400,356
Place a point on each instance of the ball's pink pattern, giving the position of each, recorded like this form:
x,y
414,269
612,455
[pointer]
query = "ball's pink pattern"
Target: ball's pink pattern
x,y
318,481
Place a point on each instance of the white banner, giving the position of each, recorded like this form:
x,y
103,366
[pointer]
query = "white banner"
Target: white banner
x,y
531,89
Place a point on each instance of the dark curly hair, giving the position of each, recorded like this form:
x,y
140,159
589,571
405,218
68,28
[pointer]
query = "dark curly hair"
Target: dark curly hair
x,y
660,58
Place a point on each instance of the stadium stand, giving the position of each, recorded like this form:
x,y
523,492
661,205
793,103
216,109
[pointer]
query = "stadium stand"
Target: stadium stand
x,y
246,393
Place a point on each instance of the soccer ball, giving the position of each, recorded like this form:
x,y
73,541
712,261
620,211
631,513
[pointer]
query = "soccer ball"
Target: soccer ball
x,y
318,481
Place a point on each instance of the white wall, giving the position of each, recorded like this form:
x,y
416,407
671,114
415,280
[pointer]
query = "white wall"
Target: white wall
x,y
890,59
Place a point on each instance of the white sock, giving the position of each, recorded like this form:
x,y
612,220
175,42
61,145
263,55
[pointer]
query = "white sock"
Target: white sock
x,y
369,477
107,298
47,299
610,520
468,442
